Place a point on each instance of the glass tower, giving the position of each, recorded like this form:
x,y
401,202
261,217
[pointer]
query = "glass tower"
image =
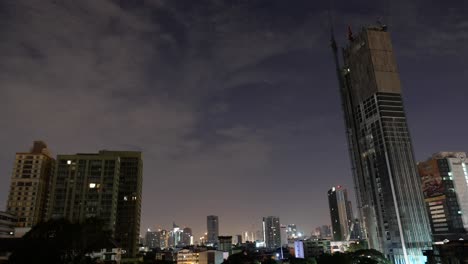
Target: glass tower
x,y
388,189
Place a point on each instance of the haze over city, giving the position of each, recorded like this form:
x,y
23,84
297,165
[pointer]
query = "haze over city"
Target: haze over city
x,y
234,104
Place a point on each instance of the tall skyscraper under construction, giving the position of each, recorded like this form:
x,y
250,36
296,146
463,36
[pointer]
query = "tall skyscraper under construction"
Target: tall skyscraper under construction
x,y
388,189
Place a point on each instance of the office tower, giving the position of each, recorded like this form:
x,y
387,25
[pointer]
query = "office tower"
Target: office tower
x,y
152,239
187,237
212,225
390,204
340,213
445,186
30,181
271,232
225,244
106,185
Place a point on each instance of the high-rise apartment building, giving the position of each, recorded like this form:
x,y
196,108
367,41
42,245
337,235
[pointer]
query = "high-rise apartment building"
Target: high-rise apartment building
x,y
106,185
445,186
163,239
152,239
340,213
129,201
391,205
272,232
32,172
291,231
212,226
187,237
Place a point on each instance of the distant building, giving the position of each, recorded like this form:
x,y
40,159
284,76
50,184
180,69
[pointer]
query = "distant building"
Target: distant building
x,y
175,236
187,256
187,237
225,244
311,248
29,189
152,239
106,185
444,180
341,246
272,232
291,231
284,235
323,232
7,225
239,239
212,226
356,230
340,213
163,238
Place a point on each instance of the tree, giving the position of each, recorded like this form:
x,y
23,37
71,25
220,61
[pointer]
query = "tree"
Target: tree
x,y
59,241
336,258
370,256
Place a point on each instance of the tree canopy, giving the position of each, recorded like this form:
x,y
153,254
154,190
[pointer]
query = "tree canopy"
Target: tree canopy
x,y
59,241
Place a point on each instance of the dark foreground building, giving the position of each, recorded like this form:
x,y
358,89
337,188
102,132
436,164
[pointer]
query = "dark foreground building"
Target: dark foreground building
x,y
106,185
388,189
445,186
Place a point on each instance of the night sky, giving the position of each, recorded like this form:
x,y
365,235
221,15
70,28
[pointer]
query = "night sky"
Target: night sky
x,y
234,104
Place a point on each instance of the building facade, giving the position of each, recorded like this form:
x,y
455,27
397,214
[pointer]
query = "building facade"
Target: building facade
x,y
340,213
187,237
152,239
7,225
444,180
105,185
225,244
30,180
272,232
212,226
384,170
311,248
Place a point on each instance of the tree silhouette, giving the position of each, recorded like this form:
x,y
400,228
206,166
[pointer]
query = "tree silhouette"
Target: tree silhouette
x,y
59,241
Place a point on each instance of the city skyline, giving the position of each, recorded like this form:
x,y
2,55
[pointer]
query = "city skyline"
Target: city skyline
x,y
269,117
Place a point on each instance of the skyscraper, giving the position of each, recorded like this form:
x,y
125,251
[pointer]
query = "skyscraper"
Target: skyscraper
x,y
212,226
340,213
152,239
271,232
445,186
106,185
175,236
187,237
390,202
129,202
30,181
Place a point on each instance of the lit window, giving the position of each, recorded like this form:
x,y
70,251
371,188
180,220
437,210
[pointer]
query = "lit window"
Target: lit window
x,y
68,162
92,185
125,198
